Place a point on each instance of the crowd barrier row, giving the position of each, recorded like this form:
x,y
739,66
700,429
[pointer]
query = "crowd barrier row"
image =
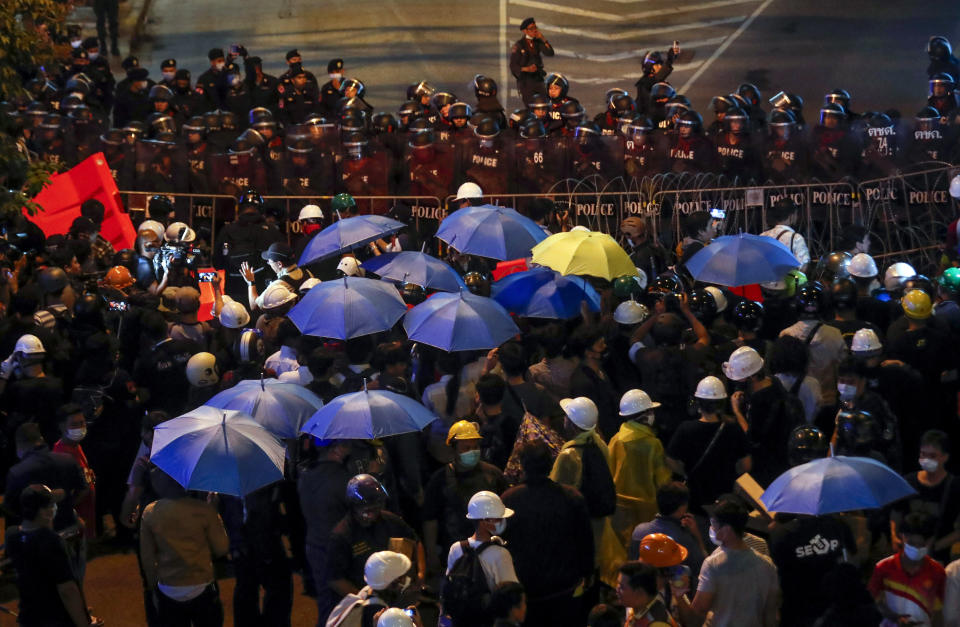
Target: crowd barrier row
x,y
906,214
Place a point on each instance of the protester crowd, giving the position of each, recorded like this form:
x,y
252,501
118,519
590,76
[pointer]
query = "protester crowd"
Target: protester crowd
x,y
582,473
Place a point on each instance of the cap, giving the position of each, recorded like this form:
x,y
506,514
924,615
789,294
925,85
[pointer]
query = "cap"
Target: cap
x,y
37,496
215,53
335,65
168,300
293,53
253,61
167,63
526,23
130,63
138,74
82,224
278,251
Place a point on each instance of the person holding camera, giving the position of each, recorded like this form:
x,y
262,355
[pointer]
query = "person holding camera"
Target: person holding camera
x,y
526,60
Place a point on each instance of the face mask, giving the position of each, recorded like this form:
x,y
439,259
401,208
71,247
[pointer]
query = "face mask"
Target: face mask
x,y
93,56
168,76
713,537
336,77
500,527
469,459
77,434
847,392
75,43
915,553
219,65
404,584
930,465
249,217
310,229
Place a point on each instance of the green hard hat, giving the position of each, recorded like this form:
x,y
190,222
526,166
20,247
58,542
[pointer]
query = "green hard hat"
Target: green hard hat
x,y
627,285
342,202
950,280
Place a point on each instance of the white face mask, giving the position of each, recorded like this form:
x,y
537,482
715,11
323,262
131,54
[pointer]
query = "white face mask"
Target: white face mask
x,y
847,391
77,434
93,56
219,65
713,536
168,76
75,43
336,76
930,465
915,553
500,527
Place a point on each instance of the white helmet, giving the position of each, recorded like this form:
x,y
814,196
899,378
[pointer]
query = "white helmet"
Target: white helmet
x,y
385,567
468,191
718,297
308,284
29,345
642,279
866,343
710,388
310,212
394,617
202,370
153,227
350,267
630,312
636,402
581,411
580,227
486,504
955,186
744,362
179,233
862,266
896,274
276,295
234,315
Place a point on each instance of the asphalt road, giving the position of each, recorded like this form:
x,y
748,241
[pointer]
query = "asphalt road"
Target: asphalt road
x,y
874,49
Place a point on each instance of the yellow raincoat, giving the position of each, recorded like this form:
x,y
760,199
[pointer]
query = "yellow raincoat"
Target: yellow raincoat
x,y
638,468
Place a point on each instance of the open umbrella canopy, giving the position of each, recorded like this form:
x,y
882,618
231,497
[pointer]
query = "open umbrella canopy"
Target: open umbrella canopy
x,y
584,252
744,259
281,408
366,415
492,232
346,234
217,450
545,293
459,322
348,307
835,484
415,267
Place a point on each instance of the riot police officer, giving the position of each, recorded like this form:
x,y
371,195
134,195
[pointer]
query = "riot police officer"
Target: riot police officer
x,y
656,68
941,58
243,241
943,98
737,154
526,60
784,153
557,88
689,150
485,89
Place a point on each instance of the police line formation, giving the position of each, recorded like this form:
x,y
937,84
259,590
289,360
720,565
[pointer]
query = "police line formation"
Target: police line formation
x,y
573,473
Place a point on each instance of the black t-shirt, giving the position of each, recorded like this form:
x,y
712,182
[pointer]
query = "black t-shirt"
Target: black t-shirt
x,y
164,368
768,432
41,562
848,328
804,550
322,488
351,544
447,493
716,474
931,500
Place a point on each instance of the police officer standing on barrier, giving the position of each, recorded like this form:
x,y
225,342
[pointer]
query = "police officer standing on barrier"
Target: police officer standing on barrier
x,y
526,60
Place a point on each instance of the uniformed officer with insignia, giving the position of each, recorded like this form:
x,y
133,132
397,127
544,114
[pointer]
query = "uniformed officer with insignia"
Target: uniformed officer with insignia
x,y
526,60
330,92
294,59
298,98
210,83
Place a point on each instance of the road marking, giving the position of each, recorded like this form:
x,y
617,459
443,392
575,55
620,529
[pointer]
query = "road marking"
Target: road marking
x,y
596,80
716,54
685,9
559,8
504,51
635,33
630,54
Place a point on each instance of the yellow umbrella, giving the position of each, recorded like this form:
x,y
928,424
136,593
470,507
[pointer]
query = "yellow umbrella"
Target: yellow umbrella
x,y
584,252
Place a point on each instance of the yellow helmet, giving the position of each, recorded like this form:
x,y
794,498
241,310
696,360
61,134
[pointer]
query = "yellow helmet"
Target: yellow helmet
x,y
916,304
463,430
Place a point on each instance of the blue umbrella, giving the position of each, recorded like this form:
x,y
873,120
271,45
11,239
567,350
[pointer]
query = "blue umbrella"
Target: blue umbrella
x,y
459,322
217,450
416,267
348,307
368,414
545,293
744,259
835,484
280,408
493,232
346,234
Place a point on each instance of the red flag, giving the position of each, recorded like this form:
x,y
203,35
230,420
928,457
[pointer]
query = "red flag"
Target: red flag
x,y
61,201
505,268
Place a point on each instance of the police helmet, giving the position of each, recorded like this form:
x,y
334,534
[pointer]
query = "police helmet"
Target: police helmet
x,y
806,444
560,80
484,86
811,301
383,123
748,315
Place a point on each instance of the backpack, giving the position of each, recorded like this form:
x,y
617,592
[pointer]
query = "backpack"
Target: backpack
x,y
596,483
349,611
465,593
354,381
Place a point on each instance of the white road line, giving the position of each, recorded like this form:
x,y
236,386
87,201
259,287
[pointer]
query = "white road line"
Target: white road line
x,y
631,34
597,80
716,54
685,9
630,54
504,51
559,8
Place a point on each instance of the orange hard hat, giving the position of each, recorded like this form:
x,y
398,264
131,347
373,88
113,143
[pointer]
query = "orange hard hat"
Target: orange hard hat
x,y
660,550
118,277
